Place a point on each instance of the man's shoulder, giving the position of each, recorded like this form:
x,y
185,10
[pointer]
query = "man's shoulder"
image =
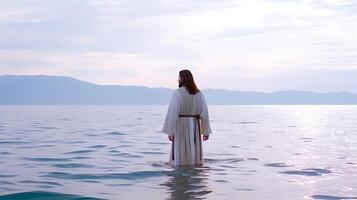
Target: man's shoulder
x,y
180,89
200,94
176,91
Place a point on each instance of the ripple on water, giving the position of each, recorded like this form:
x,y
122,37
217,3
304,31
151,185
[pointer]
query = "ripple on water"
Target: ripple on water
x,y
7,183
128,155
277,165
46,159
41,182
322,171
152,152
46,145
300,172
7,189
74,142
6,176
246,189
221,181
97,146
233,160
74,165
226,160
115,133
47,127
13,142
227,166
159,165
328,197
307,172
81,157
159,143
80,151
246,122
255,159
125,176
306,138
119,184
125,145
43,195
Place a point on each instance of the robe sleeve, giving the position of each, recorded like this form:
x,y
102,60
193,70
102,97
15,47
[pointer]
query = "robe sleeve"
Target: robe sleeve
x,y
205,125
172,115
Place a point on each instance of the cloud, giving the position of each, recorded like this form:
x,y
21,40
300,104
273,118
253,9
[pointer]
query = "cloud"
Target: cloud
x,y
155,8
344,7
226,43
326,80
99,67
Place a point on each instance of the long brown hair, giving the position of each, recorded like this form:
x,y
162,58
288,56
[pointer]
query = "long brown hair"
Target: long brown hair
x,y
188,81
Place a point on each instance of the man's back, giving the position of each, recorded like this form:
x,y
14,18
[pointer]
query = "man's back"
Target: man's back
x,y
189,104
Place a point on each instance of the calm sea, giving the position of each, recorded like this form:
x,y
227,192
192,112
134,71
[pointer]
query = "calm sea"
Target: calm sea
x,y
119,152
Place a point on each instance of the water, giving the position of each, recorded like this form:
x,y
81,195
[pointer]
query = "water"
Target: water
x,y
118,152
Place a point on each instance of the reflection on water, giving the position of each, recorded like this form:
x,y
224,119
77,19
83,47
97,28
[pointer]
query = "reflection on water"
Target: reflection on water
x,y
188,183
118,152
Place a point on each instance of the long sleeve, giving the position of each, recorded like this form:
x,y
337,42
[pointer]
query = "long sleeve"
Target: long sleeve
x,y
205,125
172,115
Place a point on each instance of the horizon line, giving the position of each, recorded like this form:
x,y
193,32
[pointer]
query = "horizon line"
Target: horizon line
x,y
162,87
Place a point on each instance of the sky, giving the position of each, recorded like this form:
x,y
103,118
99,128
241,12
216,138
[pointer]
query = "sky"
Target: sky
x,y
255,45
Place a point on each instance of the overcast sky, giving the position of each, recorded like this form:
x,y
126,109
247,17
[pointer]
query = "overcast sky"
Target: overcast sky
x,y
255,45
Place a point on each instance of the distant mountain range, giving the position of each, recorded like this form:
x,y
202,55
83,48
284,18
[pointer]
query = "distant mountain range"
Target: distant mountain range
x,y
61,90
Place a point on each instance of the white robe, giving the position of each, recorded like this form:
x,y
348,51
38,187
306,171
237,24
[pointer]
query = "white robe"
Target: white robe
x,y
184,151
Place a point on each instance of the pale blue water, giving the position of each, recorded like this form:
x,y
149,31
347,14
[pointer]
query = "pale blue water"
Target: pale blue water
x,y
118,152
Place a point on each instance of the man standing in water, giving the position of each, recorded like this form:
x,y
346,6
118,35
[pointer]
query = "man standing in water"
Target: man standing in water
x,y
186,120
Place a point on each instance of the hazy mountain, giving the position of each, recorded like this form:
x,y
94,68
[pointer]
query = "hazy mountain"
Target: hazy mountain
x,y
65,90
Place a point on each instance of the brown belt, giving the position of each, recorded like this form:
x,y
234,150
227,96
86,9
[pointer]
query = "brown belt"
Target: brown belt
x,y
198,117
198,123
